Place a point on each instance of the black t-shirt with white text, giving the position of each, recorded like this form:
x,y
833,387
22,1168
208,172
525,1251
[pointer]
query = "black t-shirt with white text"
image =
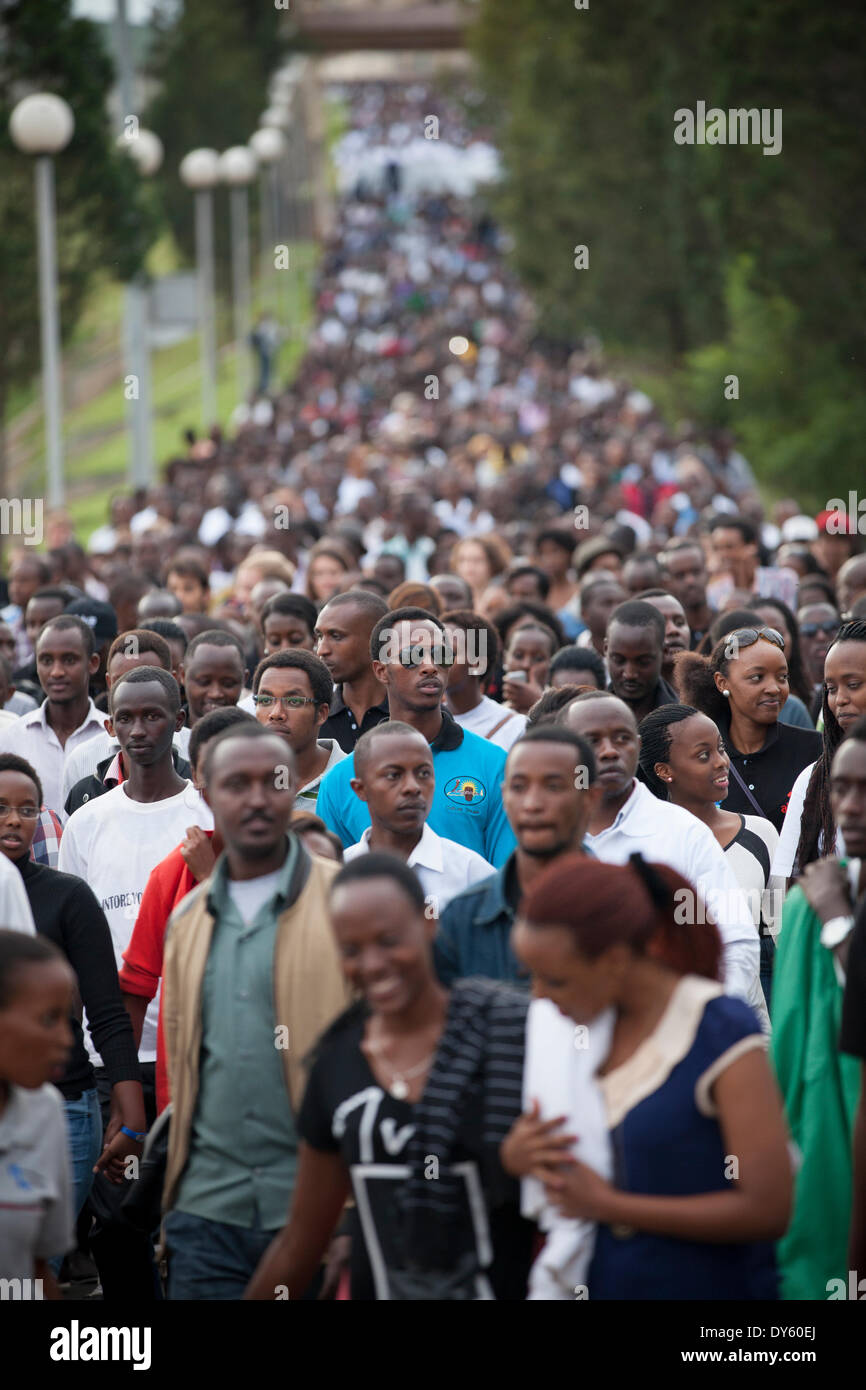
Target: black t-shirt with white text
x,y
345,1110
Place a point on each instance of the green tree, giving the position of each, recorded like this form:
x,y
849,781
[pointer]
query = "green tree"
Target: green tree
x,y
211,63
586,101
703,259
104,219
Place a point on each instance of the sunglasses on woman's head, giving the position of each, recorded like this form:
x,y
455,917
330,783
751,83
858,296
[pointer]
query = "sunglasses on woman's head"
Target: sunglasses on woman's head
x,y
747,636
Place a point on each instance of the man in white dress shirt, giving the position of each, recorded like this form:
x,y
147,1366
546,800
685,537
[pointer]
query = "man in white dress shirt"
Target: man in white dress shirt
x,y
629,818
394,776
65,661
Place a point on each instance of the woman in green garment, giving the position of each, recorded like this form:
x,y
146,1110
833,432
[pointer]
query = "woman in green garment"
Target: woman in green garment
x,y
820,1085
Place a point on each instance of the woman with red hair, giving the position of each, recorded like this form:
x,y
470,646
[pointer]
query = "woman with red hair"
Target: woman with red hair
x,y
702,1177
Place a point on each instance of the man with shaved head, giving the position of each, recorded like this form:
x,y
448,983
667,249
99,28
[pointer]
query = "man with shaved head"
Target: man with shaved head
x,y
851,582
548,792
634,652
394,776
452,590
629,819
342,637
685,576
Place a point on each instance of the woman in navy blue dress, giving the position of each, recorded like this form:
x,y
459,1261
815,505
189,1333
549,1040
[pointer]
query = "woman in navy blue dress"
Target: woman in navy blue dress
x,y
701,1174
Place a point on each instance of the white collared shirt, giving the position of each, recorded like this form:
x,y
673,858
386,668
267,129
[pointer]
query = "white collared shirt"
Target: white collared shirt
x,y
443,867
33,738
668,834
84,760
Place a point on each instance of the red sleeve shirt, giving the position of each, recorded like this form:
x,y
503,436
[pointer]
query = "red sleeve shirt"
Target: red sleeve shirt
x,y
167,885
141,972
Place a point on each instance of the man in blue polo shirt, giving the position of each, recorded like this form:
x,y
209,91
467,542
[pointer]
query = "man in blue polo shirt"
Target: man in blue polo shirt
x,y
411,657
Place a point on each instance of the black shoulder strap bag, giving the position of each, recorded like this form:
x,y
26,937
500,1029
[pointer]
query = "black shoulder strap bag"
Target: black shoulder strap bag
x,y
747,794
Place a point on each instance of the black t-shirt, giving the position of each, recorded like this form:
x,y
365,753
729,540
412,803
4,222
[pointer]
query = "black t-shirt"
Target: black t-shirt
x,y
340,723
67,913
852,1037
345,1110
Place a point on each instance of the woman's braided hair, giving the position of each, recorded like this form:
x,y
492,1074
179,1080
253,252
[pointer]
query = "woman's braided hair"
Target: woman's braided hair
x,y
817,827
655,743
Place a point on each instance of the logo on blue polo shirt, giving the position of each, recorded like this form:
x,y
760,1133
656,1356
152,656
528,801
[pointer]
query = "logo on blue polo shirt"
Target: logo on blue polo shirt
x,y
465,791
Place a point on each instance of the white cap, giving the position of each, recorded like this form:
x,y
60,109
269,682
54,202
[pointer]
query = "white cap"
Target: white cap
x,y
799,528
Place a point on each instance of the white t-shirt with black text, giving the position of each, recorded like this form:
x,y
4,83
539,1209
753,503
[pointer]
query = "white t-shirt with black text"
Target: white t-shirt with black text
x,y
114,843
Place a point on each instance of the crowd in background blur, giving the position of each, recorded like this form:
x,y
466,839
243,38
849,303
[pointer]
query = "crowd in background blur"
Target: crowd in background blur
x,y
565,576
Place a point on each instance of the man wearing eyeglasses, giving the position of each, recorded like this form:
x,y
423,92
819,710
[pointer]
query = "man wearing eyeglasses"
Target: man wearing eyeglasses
x,y
292,697
411,656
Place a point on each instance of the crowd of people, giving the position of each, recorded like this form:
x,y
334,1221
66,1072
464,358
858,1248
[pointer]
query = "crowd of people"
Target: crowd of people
x,y
433,824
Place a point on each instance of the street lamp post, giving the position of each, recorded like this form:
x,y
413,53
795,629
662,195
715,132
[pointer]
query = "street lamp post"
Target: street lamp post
x,y
238,169
199,170
146,150
267,144
42,125
277,117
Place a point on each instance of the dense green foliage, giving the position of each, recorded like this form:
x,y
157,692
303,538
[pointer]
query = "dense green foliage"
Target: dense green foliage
x,y
704,260
212,63
104,221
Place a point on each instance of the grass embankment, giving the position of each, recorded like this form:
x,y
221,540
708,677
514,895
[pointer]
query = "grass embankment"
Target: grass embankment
x,y
96,439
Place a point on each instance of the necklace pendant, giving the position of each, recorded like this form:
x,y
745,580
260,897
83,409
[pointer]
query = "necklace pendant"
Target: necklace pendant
x,y
398,1088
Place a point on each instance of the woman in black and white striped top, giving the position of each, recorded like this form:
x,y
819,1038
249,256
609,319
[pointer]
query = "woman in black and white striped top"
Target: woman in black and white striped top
x,y
683,760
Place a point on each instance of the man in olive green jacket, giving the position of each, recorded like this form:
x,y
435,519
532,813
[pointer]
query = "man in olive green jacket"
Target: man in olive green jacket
x,y
252,976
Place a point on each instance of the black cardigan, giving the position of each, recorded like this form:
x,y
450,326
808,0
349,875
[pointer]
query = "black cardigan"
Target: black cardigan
x,y
67,913
771,772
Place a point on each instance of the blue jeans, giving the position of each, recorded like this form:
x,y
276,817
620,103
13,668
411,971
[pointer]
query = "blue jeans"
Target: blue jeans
x,y
84,1132
211,1260
84,1127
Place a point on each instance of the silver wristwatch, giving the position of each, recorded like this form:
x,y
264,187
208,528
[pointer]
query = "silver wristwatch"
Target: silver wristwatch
x,y
834,932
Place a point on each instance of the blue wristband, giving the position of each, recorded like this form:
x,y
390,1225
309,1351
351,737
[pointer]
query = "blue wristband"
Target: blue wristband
x,y
133,1134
